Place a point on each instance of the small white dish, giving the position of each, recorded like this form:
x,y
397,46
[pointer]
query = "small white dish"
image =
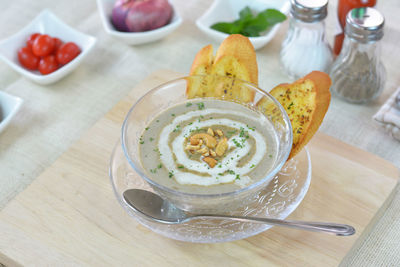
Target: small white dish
x,y
228,11
45,23
135,38
9,106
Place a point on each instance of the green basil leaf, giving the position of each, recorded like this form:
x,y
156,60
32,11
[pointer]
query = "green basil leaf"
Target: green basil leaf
x,y
250,31
258,23
245,13
225,27
272,16
248,25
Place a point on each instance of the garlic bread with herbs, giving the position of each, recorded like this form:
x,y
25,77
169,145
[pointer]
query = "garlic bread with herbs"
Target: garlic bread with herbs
x,y
306,102
236,58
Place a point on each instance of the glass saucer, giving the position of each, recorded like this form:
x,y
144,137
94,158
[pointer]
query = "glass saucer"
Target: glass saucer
x,y
280,198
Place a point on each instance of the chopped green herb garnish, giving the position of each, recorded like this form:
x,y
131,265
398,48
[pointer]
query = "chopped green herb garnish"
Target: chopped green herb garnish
x,y
188,104
251,128
200,105
153,170
231,172
290,105
141,141
157,120
177,128
170,174
147,128
270,155
237,144
190,123
181,167
173,115
159,166
242,132
151,139
219,166
251,25
252,166
237,177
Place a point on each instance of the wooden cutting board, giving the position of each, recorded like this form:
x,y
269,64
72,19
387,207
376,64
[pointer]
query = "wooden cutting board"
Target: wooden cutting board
x,y
69,215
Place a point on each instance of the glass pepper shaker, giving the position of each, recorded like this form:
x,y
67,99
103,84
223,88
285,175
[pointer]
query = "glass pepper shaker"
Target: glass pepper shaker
x,y
357,74
305,47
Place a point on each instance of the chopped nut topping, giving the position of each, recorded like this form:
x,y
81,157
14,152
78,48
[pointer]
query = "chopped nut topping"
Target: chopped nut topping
x,y
222,147
203,150
212,152
209,145
211,142
210,161
190,147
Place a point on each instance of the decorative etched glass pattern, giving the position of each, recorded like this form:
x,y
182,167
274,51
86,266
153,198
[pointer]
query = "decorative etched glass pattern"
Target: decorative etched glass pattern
x,y
280,198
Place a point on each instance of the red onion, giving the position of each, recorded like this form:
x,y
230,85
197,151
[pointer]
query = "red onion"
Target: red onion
x,y
140,15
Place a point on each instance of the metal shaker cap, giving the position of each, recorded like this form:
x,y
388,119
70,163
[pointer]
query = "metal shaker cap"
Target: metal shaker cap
x,y
309,10
364,24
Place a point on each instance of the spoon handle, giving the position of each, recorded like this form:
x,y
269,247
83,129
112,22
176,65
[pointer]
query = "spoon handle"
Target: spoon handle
x,y
331,228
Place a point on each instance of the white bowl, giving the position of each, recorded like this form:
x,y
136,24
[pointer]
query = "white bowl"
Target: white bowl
x,y
135,38
46,22
228,11
9,106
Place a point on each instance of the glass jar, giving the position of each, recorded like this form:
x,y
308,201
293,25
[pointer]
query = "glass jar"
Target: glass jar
x,y
344,6
357,74
305,48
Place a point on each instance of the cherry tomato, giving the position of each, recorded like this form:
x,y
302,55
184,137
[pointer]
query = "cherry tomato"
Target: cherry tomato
x,y
57,44
48,64
31,39
28,59
67,52
43,45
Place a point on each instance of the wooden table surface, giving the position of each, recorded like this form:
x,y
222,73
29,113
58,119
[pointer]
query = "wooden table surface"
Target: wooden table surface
x,y
70,214
54,117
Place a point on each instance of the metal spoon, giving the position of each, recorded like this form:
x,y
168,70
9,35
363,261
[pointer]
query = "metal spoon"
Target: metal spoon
x,y
160,210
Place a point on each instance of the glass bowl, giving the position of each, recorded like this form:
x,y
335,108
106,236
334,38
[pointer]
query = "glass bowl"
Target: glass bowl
x,y
173,93
277,200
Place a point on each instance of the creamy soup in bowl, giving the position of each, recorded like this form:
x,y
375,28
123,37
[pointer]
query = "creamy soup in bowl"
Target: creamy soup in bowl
x,y
205,154
208,147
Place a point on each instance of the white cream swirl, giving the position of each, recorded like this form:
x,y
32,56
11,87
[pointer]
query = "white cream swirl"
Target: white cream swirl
x,y
222,173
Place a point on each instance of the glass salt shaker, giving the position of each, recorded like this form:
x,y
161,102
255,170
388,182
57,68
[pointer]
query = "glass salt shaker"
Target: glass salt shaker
x,y
305,47
357,74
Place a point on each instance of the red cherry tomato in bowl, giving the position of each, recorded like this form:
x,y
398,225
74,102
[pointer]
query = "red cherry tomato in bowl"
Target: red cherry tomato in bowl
x,y
57,44
48,64
31,39
28,59
67,52
43,45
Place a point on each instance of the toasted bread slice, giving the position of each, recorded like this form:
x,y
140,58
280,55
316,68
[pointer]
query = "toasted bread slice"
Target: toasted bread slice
x,y
306,102
203,61
235,57
202,65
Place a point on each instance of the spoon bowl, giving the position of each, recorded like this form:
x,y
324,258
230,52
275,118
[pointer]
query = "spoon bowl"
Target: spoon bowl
x,y
155,208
